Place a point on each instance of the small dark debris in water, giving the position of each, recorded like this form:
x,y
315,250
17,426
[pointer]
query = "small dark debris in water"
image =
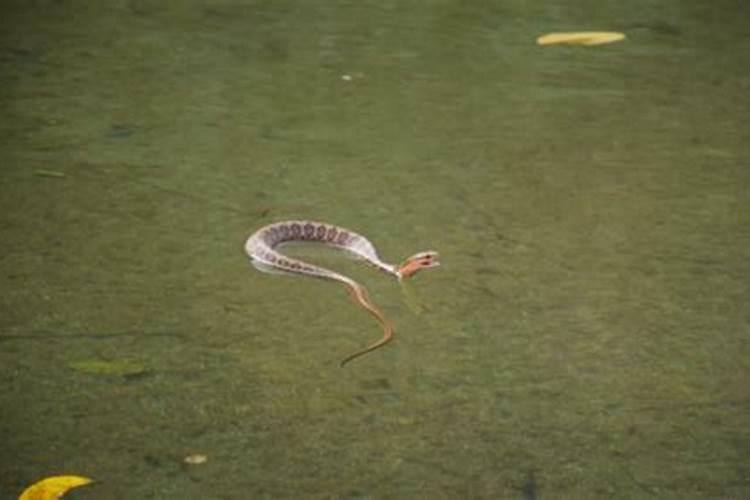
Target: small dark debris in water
x,y
528,490
354,495
153,461
121,131
19,55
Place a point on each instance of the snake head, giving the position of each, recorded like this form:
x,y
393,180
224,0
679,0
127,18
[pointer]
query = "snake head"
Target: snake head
x,y
420,260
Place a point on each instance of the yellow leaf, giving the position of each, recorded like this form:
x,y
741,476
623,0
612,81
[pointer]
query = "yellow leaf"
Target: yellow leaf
x,y
580,38
52,488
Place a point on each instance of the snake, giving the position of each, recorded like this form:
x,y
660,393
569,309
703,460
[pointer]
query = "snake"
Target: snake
x,y
263,249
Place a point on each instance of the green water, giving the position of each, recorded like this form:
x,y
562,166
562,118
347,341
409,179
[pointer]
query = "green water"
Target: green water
x,y
588,335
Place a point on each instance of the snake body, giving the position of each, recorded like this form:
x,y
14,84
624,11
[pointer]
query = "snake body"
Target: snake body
x,y
263,249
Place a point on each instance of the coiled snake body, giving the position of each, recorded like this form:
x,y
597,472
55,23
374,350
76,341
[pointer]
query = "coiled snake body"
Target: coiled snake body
x,y
262,245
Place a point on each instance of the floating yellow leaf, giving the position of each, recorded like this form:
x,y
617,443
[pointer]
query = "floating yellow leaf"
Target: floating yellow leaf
x,y
195,459
580,38
97,367
53,487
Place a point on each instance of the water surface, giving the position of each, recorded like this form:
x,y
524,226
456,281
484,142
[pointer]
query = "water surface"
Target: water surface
x,y
586,337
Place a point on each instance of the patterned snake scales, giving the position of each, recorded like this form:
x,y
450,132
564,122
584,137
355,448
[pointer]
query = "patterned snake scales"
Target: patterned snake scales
x,y
262,245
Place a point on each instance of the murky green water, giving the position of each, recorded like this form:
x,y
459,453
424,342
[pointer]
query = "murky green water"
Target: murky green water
x,y
588,335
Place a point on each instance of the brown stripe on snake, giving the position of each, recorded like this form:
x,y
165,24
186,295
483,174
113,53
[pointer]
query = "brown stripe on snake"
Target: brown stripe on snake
x,y
262,245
